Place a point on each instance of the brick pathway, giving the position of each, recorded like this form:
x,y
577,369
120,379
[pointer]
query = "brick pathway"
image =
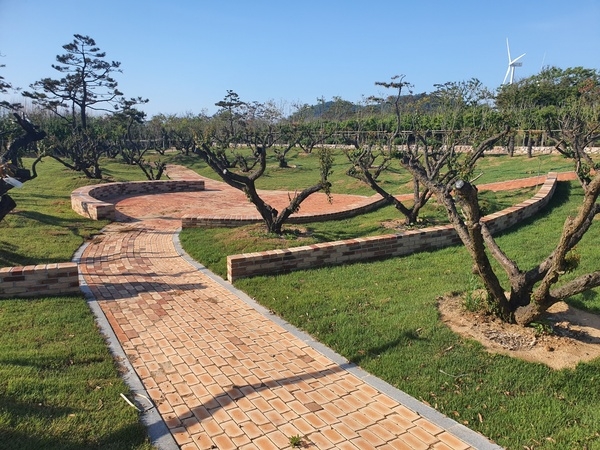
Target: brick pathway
x,y
221,372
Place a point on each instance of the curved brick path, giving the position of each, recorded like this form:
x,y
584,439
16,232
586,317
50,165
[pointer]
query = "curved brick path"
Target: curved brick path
x,y
221,372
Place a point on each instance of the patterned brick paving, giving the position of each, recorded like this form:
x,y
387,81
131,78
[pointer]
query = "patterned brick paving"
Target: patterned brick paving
x,y
221,374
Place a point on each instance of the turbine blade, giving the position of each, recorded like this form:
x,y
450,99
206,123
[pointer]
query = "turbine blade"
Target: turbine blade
x,y
518,58
508,48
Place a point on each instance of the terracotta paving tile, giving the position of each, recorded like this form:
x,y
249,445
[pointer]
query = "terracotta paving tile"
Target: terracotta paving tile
x,y
346,446
173,398
201,413
321,441
219,414
275,418
238,416
406,413
452,441
175,378
164,408
212,428
171,420
290,416
251,430
332,409
399,444
192,425
423,435
380,408
298,407
301,425
279,439
191,379
362,444
371,437
245,405
189,446
183,411
333,436
183,369
231,429
181,435
284,395
327,417
396,424
249,446
266,390
352,423
223,442
373,414
199,390
361,419
264,443
215,389
414,442
343,406
257,417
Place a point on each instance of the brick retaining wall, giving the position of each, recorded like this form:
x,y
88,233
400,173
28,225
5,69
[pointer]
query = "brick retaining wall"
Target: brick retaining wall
x,y
378,247
230,221
94,201
39,280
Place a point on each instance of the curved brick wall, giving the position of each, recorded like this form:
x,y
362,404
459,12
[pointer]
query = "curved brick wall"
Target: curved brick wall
x,y
223,220
378,247
94,201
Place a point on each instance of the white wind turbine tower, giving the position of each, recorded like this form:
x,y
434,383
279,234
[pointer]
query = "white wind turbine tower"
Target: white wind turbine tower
x,y
512,63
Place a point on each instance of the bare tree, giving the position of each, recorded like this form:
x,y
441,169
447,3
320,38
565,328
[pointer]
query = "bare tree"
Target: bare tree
x,y
133,149
530,292
12,172
254,126
415,145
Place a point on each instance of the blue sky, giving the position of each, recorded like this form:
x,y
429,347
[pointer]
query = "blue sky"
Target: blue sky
x,y
184,55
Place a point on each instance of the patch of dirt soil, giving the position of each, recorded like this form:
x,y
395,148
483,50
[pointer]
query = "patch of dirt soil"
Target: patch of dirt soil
x,y
576,336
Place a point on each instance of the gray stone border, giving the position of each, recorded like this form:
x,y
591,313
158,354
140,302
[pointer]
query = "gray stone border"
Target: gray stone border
x,y
467,435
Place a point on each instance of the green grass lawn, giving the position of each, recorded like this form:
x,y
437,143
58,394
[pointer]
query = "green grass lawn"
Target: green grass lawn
x,y
43,228
59,387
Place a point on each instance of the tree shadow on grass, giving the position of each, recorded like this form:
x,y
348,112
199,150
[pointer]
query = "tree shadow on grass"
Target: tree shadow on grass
x,y
582,301
403,339
46,219
18,432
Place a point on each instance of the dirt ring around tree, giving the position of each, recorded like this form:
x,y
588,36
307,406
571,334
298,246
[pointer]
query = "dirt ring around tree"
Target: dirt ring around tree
x,y
575,339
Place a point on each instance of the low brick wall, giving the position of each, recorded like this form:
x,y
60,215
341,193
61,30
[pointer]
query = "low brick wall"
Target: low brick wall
x,y
39,280
230,221
378,247
94,201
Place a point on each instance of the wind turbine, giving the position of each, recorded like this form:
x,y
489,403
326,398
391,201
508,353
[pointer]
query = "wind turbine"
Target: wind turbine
x,y
512,63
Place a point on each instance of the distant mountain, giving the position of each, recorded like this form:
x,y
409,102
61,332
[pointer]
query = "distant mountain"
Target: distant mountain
x,y
339,109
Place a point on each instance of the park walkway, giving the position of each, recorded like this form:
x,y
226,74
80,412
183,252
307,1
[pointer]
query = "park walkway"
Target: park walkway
x,y
222,372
